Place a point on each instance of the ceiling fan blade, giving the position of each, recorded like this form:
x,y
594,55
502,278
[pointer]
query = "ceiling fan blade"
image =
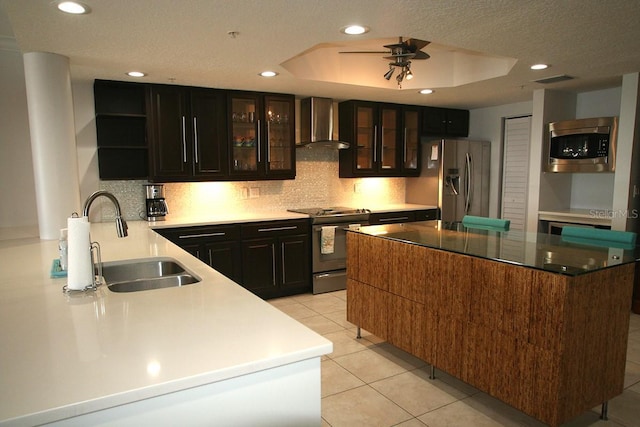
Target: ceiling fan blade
x,y
421,55
416,44
366,51
396,46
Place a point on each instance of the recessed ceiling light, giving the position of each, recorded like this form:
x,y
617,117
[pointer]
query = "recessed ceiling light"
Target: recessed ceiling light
x,y
539,66
73,7
427,91
136,74
354,30
268,74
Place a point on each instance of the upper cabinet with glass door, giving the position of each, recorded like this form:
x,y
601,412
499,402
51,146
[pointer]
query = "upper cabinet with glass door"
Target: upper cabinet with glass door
x,y
411,158
373,132
280,136
261,136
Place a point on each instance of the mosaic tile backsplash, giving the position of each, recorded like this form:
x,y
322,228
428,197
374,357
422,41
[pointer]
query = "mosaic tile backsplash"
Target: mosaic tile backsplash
x,y
316,184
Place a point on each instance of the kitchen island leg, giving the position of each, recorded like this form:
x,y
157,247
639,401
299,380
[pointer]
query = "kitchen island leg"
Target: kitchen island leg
x,y
604,411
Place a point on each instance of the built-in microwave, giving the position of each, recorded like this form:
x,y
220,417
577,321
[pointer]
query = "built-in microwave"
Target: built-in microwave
x,y
582,145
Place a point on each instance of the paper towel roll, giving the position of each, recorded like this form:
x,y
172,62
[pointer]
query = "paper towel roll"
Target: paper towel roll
x,y
80,269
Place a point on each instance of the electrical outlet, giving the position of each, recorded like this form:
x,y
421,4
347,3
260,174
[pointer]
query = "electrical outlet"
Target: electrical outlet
x,y
254,192
357,188
244,193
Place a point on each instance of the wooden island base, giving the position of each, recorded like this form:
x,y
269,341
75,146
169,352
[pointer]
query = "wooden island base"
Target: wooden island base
x,y
551,345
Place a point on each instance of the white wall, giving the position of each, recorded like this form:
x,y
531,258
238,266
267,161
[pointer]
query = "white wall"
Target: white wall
x,y
595,190
17,185
488,124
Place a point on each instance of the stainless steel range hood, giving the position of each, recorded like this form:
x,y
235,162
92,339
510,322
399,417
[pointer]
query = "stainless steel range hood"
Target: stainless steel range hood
x,y
316,124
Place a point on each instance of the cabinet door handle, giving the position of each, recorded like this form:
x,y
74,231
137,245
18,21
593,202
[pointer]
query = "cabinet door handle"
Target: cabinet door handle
x,y
195,137
284,277
259,139
375,143
398,218
198,253
273,261
193,236
404,154
291,227
184,140
267,145
210,258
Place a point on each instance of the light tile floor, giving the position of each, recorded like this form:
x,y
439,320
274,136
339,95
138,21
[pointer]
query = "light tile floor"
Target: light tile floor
x,y
368,382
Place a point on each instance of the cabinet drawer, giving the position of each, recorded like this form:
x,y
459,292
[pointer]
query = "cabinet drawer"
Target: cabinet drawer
x,y
275,228
391,217
426,215
187,235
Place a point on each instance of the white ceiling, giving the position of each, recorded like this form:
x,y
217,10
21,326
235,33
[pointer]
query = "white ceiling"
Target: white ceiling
x,y
186,42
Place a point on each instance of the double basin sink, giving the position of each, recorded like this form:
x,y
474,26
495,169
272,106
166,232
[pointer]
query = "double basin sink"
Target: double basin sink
x,y
144,274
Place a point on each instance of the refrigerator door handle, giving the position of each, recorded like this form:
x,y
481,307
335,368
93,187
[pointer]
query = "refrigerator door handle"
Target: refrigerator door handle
x,y
467,182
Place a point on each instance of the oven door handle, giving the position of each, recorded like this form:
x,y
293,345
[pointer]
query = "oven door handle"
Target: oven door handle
x,y
337,228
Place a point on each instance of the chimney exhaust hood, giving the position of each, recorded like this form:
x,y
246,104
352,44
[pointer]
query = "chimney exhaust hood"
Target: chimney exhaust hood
x,y
316,124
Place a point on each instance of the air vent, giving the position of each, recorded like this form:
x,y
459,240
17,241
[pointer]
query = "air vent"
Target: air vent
x,y
554,79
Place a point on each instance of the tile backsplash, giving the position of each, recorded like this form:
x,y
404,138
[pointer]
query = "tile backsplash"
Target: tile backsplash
x,y
316,184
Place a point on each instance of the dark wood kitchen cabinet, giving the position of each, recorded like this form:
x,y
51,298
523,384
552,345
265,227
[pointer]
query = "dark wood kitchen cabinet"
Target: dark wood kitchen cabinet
x,y
262,136
445,122
384,139
216,245
121,129
377,218
276,258
410,154
373,133
187,134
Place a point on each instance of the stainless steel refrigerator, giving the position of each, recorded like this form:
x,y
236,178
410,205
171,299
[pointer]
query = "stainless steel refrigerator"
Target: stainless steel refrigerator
x,y
454,177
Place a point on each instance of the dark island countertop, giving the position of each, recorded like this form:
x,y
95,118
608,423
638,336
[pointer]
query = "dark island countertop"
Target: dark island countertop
x,y
535,250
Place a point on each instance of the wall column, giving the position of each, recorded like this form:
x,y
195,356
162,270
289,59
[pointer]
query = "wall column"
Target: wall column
x,y
53,140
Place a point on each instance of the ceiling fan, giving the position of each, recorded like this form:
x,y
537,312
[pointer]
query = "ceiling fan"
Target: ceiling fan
x,y
400,54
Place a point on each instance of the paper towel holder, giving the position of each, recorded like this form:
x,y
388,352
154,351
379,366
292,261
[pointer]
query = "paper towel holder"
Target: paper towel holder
x,y
96,261
96,264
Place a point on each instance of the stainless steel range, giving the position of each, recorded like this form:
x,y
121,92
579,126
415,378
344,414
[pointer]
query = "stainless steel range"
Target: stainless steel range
x,y
329,244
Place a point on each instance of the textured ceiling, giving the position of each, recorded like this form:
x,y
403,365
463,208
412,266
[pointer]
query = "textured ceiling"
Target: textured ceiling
x,y
186,42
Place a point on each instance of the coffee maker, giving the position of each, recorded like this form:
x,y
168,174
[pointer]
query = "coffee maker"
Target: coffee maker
x,y
156,205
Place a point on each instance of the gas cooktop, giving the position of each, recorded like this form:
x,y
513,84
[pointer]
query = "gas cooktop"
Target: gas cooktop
x,y
332,211
336,215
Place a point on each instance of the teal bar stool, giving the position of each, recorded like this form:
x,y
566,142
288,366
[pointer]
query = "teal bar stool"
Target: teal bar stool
x,y
484,223
599,237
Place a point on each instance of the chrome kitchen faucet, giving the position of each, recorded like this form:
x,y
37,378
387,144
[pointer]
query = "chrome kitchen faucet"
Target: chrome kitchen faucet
x,y
121,224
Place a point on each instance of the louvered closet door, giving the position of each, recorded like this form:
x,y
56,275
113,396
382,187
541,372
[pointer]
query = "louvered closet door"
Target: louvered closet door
x,y
517,137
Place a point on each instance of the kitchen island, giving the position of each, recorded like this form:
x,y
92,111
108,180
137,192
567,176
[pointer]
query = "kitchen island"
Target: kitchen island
x,y
210,353
534,321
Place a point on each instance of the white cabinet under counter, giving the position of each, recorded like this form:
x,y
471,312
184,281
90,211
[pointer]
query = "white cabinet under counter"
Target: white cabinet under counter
x,y
600,218
210,353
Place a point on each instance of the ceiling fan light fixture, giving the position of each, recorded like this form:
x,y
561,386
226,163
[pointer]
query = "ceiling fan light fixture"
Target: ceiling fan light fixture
x,y
389,73
354,30
408,74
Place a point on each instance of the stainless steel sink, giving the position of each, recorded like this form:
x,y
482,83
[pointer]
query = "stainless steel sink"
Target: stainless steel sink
x,y
144,274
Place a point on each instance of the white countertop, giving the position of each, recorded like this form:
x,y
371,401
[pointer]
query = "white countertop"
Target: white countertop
x,y
578,216
63,355
228,218
238,217
399,207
